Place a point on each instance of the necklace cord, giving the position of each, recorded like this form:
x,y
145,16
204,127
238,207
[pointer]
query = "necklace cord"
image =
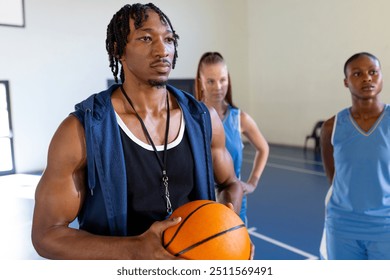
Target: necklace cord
x,y
163,162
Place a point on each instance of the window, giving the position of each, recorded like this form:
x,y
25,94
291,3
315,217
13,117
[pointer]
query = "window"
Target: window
x,y
6,139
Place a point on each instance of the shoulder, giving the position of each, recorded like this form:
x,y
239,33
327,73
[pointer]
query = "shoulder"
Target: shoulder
x,y
327,129
246,121
69,128
245,116
68,143
329,123
387,108
341,116
97,104
213,114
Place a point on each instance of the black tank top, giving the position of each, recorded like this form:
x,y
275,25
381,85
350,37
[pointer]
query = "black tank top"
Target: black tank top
x,y
145,191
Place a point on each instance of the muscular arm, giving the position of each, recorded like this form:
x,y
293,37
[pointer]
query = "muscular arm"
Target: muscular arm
x,y
230,189
59,197
327,148
252,133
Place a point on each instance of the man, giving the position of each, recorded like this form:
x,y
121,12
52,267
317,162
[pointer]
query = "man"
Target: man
x,y
130,155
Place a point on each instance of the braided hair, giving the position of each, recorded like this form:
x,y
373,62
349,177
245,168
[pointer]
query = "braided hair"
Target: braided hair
x,y
119,28
210,58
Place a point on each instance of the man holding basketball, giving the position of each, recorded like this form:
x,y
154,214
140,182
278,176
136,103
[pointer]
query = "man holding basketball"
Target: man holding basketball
x,y
128,156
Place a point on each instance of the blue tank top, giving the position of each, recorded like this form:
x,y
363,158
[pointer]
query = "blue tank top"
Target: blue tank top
x,y
145,191
232,127
359,202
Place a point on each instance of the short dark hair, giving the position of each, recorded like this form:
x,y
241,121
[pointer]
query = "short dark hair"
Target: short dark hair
x,y
356,56
119,28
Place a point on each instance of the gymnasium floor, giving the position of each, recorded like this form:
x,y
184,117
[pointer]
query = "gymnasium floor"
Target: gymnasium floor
x,y
285,214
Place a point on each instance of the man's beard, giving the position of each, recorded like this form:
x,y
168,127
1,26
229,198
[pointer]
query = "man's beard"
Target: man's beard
x,y
157,83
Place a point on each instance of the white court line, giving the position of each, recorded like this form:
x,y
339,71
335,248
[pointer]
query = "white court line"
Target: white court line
x,y
290,168
314,162
308,256
296,169
296,159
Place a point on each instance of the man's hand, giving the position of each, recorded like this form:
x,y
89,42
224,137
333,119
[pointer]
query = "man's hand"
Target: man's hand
x,y
151,247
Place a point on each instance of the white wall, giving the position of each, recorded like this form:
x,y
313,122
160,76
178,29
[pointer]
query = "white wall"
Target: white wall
x,y
285,58
298,49
59,59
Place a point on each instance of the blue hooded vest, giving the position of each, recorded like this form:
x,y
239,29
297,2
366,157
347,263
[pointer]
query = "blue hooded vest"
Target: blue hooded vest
x,y
104,211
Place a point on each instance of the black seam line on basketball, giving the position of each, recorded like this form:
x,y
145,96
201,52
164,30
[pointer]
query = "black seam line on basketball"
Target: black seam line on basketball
x,y
183,222
208,238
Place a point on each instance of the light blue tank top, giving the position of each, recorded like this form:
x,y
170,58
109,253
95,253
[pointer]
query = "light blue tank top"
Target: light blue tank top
x,y
232,126
359,205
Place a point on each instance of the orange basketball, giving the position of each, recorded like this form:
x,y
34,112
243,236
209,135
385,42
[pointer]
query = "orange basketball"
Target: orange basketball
x,y
208,231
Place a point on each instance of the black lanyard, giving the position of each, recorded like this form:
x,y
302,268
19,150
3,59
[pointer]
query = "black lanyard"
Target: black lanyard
x,y
162,162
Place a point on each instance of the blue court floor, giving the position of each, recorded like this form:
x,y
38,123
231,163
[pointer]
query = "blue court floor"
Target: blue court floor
x,y
285,213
